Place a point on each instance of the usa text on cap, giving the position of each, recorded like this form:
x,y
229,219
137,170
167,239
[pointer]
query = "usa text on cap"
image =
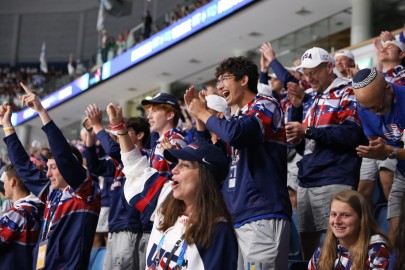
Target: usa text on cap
x,y
314,57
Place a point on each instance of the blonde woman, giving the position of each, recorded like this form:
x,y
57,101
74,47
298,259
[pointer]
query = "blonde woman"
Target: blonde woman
x,y
353,239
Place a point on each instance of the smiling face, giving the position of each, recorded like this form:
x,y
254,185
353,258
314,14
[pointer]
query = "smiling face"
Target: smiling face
x,y
342,63
344,222
391,53
234,91
185,181
57,180
159,119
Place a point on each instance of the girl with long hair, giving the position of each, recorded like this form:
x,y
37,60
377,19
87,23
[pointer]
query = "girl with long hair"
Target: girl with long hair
x,y
353,239
192,227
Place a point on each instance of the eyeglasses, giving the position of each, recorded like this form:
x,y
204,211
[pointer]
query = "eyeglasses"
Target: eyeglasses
x,y
224,79
377,108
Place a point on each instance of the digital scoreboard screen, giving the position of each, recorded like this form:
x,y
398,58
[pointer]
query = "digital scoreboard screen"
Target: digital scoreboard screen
x,y
185,27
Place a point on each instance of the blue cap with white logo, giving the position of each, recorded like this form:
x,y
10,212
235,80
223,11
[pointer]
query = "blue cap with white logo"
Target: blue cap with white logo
x,y
205,153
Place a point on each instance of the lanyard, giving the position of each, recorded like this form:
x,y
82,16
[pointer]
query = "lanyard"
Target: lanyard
x,y
51,213
180,258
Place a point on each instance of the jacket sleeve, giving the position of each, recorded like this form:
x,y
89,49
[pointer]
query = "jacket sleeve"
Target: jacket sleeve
x,y
35,180
222,253
264,78
347,131
144,188
97,166
12,225
240,132
203,136
68,165
262,122
282,73
111,147
347,134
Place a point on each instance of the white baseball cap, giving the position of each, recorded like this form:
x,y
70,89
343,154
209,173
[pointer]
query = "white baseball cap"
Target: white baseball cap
x,y
399,44
314,57
264,89
346,53
216,103
297,68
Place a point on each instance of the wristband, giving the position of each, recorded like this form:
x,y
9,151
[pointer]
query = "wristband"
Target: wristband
x,y
118,126
8,128
122,134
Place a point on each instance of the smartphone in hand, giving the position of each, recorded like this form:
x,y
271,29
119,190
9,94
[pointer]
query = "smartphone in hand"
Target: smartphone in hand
x,y
87,124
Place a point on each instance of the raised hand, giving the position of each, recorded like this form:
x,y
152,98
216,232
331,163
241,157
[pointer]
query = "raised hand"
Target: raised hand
x,y
386,36
5,114
114,114
30,99
267,51
295,93
352,71
377,44
189,95
94,114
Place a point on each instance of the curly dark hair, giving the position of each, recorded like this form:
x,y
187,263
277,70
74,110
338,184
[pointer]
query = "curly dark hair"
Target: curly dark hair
x,y
240,66
139,124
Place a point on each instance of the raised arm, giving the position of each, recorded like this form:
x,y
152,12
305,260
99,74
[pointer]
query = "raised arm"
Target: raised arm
x,y
33,178
69,165
111,147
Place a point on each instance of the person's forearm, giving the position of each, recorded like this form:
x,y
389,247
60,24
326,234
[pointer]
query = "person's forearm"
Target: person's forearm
x,y
97,128
204,115
125,141
45,118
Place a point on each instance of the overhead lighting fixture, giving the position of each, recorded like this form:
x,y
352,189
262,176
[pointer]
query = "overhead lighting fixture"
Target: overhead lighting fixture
x,y
255,34
194,61
303,12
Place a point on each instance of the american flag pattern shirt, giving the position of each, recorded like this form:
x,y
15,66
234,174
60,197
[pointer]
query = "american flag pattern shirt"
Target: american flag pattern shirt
x,y
332,107
395,75
378,256
19,231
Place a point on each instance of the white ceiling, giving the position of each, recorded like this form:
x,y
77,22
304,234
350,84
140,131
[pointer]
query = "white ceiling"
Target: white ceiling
x,y
230,37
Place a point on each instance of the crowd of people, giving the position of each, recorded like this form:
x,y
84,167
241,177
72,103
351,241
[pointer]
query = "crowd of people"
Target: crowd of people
x,y
111,46
212,182
10,77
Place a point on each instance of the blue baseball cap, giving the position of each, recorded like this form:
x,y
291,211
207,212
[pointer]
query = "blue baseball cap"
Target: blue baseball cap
x,y
205,153
162,98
